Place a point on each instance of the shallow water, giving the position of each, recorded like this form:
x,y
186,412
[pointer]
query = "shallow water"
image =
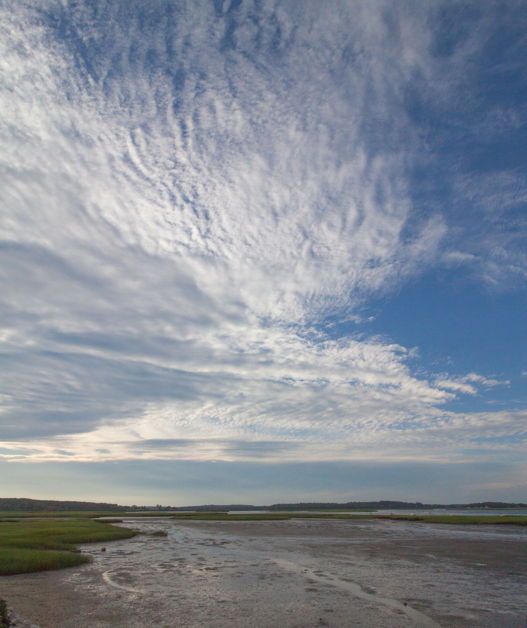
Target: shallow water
x,y
494,512
288,573
399,511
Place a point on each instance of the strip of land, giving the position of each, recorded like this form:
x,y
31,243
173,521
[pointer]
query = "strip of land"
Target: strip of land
x,y
30,543
448,519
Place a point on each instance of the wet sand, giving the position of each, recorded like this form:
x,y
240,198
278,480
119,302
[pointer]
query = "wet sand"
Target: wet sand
x,y
293,574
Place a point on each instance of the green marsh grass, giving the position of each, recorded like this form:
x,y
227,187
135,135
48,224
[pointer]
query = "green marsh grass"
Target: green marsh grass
x,y
11,514
110,520
518,520
448,519
80,514
264,516
42,544
16,561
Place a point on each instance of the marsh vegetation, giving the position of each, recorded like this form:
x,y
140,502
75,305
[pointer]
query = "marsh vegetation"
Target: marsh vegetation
x,y
29,545
264,516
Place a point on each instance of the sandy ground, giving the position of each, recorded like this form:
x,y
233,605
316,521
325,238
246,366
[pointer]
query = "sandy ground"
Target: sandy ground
x,y
297,573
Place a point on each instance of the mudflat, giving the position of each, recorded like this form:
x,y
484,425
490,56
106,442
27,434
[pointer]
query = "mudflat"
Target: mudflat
x,y
293,573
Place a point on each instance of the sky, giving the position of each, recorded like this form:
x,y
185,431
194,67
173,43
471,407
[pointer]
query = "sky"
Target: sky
x,y
263,251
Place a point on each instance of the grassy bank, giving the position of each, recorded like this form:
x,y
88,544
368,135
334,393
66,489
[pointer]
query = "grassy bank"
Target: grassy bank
x,y
9,515
449,519
70,514
41,544
462,519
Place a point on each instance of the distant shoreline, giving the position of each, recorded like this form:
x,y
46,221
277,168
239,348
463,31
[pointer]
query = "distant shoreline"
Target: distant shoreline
x,y
26,505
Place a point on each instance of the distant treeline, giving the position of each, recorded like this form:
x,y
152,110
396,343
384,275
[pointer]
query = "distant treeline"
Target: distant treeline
x,y
390,505
376,505
22,504
19,504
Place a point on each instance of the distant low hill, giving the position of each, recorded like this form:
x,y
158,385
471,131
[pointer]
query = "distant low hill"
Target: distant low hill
x,y
374,505
391,505
22,504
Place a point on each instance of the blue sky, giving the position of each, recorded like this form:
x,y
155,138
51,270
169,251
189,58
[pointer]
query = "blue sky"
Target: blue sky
x,y
263,251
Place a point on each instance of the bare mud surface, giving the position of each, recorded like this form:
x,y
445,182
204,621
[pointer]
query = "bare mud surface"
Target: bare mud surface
x,y
292,574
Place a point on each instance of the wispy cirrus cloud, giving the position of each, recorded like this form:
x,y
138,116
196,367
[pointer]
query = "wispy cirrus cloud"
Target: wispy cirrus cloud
x,y
467,384
189,192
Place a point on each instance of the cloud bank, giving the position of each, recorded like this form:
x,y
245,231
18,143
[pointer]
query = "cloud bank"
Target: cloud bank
x,y
194,192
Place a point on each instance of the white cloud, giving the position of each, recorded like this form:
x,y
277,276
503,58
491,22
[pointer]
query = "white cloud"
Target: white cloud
x,y
182,432
467,383
456,385
488,382
180,216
